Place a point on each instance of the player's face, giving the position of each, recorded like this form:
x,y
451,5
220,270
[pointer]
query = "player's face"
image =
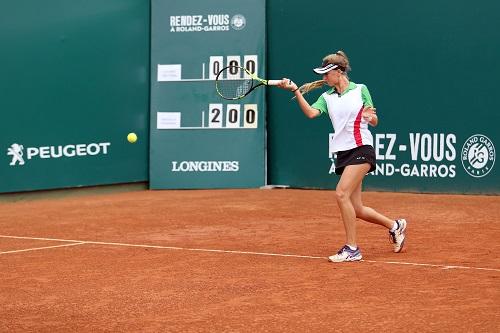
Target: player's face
x,y
332,77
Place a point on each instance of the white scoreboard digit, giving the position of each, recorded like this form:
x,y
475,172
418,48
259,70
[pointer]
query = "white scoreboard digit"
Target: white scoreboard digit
x,y
216,64
250,63
233,61
250,116
215,115
233,115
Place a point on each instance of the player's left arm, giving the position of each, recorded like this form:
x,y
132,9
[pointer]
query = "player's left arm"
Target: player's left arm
x,y
369,111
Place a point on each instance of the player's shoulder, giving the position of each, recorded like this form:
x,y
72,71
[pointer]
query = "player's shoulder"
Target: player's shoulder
x,y
363,88
325,94
359,85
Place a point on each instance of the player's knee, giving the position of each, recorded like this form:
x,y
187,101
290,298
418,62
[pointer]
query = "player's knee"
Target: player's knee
x,y
341,195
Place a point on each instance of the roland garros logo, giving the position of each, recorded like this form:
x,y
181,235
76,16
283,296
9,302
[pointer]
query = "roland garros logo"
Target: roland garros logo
x,y
478,155
238,22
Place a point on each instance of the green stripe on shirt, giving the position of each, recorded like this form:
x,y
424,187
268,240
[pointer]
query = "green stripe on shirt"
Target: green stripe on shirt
x,y
366,97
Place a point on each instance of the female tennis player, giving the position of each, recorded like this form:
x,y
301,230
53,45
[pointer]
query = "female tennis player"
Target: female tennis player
x,y
351,110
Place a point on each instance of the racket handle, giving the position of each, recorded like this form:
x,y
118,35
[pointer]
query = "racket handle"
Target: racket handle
x,y
273,82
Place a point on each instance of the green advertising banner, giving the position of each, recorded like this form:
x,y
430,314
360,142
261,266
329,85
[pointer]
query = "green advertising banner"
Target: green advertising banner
x,y
74,83
199,140
431,68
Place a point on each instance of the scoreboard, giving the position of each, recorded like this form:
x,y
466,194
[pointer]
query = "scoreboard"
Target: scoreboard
x,y
197,139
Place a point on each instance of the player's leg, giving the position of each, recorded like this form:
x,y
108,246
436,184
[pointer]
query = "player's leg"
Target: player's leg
x,y
349,181
367,213
397,228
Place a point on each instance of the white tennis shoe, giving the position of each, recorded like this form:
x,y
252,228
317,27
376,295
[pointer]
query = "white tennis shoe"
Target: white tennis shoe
x,y
398,236
346,254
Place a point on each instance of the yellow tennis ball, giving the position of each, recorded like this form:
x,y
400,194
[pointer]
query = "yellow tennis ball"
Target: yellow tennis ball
x,y
132,137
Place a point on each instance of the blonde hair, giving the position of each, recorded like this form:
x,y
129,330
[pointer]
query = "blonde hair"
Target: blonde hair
x,y
338,58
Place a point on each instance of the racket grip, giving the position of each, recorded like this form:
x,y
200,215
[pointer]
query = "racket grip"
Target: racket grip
x,y
273,82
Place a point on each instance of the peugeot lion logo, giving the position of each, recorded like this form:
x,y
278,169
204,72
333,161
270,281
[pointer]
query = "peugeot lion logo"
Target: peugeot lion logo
x,y
16,151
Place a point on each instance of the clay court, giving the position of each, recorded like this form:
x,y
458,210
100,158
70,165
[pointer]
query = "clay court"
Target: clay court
x,y
244,261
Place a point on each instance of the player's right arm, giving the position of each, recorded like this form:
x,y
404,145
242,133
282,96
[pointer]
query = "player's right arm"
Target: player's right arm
x,y
306,108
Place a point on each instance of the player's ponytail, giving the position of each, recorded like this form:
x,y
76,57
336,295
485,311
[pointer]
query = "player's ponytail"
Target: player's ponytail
x,y
307,87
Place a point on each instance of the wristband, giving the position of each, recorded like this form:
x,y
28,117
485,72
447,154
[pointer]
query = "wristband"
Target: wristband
x,y
295,90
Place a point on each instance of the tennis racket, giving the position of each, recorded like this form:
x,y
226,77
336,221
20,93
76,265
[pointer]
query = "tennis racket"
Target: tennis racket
x,y
235,82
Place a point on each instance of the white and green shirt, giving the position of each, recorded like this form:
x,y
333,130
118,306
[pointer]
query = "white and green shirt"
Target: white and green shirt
x,y
345,111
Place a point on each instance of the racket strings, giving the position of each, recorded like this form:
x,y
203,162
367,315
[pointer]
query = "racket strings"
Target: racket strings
x,y
234,88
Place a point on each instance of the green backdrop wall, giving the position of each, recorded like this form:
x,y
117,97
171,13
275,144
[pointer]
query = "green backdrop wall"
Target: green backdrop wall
x,y
74,81
431,67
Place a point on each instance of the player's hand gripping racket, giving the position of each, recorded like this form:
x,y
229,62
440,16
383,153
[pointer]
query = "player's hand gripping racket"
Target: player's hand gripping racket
x,y
235,82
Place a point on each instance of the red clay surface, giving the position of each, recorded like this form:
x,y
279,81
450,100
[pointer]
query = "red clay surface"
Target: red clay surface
x,y
446,280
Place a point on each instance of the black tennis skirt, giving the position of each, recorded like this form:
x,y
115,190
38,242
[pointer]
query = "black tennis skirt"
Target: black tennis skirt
x,y
358,155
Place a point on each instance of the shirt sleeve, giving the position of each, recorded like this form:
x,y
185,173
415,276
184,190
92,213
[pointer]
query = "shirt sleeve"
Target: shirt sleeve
x,y
320,105
365,96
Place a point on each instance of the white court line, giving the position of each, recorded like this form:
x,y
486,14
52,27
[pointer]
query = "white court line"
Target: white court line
x,y
79,242
40,248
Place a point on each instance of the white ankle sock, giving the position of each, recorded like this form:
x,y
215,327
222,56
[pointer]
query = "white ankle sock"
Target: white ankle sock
x,y
395,226
352,247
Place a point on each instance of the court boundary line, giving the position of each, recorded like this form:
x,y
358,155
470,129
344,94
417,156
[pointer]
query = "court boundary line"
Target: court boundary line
x,y
83,242
41,248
